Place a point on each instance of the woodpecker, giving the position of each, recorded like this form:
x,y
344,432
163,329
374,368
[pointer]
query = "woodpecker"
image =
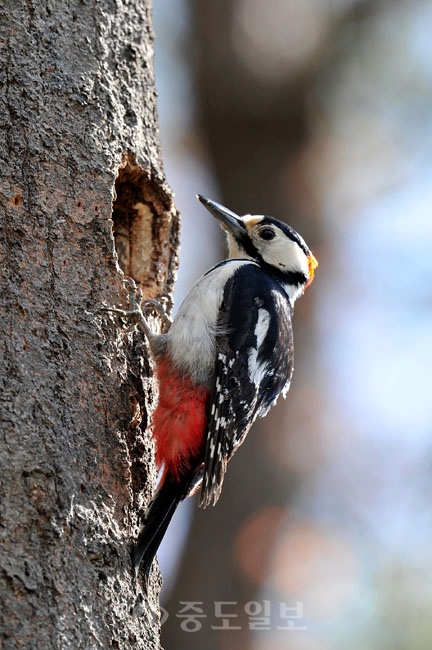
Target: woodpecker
x,y
224,361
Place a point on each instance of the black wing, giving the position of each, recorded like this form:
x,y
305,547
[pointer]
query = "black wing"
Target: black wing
x,y
254,364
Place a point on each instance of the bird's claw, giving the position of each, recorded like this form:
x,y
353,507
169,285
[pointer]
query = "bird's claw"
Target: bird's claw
x,y
138,307
156,306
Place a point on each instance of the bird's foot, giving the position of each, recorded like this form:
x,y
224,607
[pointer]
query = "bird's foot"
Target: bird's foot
x,y
138,309
134,313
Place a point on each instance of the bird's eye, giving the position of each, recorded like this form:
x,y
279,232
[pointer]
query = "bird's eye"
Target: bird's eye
x,y
267,234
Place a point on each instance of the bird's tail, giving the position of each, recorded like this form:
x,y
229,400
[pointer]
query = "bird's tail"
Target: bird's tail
x,y
159,515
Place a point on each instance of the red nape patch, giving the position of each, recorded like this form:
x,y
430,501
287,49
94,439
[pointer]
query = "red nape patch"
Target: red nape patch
x,y
179,421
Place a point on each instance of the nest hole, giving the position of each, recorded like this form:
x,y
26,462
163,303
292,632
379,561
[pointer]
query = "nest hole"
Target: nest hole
x,y
133,220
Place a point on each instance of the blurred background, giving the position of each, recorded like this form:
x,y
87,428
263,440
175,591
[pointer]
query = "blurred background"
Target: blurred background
x,y
317,112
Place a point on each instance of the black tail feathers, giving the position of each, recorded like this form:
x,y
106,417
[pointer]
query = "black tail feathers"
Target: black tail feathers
x,y
159,515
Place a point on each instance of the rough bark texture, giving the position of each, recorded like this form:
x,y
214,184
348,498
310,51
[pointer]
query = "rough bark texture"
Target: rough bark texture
x,y
77,111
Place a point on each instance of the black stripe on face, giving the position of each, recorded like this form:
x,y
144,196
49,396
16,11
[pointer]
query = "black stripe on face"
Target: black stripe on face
x,y
289,232
249,248
294,278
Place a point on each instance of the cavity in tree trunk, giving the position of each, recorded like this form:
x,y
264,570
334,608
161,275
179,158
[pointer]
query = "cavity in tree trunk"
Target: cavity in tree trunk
x,y
81,181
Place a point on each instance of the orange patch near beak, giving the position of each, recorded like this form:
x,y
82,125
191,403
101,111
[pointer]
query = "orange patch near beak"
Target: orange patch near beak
x,y
312,263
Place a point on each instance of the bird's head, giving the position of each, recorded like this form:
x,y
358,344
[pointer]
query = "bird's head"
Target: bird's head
x,y
274,245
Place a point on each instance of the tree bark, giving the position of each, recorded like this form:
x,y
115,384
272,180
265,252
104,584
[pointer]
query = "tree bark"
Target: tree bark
x,y
82,195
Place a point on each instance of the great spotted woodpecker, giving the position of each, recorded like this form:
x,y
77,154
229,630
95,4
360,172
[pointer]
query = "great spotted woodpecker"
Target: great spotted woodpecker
x,y
226,358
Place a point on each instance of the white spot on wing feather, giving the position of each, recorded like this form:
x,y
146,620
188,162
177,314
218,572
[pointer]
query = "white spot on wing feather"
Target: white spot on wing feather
x,y
262,326
257,370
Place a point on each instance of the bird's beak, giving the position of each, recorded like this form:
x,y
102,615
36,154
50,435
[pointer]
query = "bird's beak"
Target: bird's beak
x,y
229,220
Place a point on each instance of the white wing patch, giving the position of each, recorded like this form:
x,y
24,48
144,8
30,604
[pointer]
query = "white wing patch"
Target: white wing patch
x,y
257,370
262,326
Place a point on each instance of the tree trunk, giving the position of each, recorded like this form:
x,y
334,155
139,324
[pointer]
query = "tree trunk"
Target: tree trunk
x,y
79,127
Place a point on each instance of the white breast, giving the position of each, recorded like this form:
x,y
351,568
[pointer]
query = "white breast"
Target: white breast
x,y
191,338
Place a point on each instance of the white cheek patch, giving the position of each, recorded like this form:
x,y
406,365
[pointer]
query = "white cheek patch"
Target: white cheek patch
x,y
285,254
